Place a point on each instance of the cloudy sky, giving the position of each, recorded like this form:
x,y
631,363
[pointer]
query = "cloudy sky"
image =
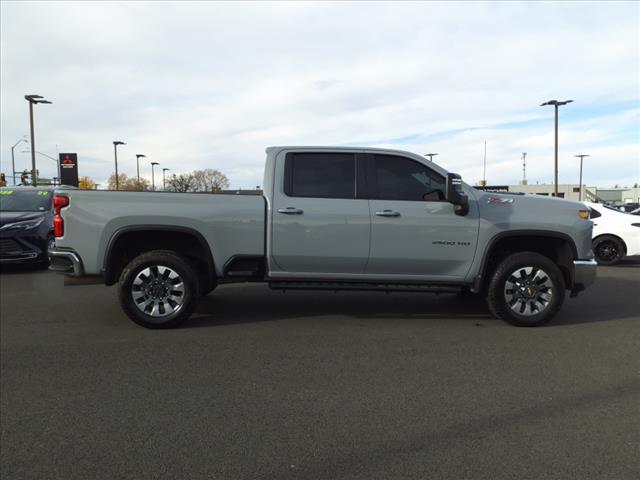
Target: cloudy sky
x,y
196,85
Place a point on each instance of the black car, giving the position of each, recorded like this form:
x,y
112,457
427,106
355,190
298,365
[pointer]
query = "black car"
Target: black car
x,y
26,224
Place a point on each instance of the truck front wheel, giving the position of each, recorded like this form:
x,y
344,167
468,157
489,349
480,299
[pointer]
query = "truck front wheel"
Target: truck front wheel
x,y
526,289
158,289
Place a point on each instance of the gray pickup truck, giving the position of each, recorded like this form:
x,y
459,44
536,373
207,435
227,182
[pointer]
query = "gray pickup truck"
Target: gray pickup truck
x,y
332,219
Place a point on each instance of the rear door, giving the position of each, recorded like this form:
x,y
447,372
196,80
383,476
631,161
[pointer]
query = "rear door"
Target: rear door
x,y
414,231
319,226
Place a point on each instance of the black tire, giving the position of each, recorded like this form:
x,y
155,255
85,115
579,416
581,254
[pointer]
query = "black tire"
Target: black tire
x,y
159,262
541,291
43,260
608,250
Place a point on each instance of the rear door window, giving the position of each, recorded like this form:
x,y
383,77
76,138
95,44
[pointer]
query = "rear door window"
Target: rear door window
x,y
324,175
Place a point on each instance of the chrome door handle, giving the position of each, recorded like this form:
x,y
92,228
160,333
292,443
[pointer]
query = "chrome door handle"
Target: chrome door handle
x,y
290,211
388,213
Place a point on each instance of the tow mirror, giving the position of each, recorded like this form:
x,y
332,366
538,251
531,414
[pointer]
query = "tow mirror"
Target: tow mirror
x,y
455,194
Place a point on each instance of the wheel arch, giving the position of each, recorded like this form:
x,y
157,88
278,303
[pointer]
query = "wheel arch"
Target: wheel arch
x,y
561,250
613,235
128,242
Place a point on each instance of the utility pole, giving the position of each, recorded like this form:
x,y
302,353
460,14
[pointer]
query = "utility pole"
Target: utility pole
x,y
33,99
430,155
581,157
484,172
524,168
556,104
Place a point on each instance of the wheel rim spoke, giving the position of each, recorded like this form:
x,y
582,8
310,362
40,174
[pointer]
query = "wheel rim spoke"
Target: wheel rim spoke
x,y
158,291
528,291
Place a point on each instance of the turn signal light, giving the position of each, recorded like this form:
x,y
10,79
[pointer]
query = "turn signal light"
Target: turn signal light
x,y
59,202
584,214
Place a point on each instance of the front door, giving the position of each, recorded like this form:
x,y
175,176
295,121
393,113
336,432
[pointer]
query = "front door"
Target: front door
x,y
319,227
414,231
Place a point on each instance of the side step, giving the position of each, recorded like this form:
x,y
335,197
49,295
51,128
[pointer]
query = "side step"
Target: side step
x,y
371,287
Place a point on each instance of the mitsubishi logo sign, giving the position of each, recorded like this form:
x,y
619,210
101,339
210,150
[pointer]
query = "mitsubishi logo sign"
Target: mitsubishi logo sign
x,y
68,169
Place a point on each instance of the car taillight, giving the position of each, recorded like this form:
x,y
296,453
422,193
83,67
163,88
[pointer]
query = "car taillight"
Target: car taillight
x,y
59,202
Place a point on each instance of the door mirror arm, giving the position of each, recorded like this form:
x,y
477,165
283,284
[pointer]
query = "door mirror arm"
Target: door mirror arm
x,y
455,195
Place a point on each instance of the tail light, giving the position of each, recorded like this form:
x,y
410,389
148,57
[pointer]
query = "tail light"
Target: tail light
x,y
59,202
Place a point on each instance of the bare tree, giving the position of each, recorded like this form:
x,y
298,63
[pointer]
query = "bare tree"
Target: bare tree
x,y
181,183
210,180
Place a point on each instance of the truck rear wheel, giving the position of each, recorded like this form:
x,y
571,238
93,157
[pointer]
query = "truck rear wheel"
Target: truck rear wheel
x,y
158,289
526,290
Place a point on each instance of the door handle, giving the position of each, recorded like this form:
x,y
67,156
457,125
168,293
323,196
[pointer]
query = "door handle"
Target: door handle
x,y
290,211
388,213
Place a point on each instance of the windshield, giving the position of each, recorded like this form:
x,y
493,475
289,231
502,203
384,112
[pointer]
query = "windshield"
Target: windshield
x,y
25,200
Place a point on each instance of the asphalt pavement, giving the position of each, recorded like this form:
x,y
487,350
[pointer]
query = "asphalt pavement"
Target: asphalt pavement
x,y
316,385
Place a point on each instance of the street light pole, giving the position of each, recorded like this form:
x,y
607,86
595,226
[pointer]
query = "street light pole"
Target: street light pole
x,y
153,177
164,182
581,157
115,156
430,155
556,104
32,99
138,157
13,159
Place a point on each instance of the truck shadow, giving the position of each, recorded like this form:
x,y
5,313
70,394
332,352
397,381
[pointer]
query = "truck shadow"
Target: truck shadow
x,y
231,305
609,299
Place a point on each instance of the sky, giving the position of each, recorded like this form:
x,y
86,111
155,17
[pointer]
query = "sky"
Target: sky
x,y
196,85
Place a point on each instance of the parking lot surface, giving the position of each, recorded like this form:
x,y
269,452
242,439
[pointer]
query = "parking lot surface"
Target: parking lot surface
x,y
317,385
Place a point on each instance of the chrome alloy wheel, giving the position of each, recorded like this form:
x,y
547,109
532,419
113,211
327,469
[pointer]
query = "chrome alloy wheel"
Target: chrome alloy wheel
x,y
528,291
158,291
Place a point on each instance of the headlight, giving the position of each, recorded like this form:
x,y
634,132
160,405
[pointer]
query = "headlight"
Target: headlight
x,y
24,225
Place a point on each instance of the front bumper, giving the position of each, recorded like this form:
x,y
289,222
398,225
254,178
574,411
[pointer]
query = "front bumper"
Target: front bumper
x,y
17,249
65,261
584,274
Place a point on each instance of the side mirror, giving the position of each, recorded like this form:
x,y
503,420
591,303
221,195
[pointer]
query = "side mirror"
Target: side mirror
x,y
455,195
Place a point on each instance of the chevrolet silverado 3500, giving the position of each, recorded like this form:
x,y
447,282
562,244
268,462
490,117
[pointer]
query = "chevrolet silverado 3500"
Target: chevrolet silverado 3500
x,y
334,219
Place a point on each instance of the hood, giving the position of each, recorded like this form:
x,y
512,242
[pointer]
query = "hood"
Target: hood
x,y
12,217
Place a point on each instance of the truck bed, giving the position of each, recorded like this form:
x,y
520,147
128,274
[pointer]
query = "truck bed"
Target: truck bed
x,y
231,224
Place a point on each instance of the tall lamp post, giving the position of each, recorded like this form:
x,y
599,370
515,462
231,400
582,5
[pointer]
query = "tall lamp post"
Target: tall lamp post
x,y
153,177
556,104
33,99
138,157
430,155
581,157
13,159
164,181
115,156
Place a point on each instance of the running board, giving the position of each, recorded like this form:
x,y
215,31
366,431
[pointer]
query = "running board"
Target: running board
x,y
371,287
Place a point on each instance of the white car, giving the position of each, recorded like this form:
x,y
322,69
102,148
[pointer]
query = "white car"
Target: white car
x,y
615,234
